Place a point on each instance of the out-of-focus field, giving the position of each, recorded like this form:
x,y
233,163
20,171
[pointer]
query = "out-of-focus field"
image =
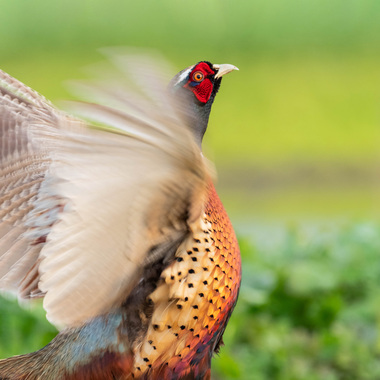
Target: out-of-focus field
x,y
295,138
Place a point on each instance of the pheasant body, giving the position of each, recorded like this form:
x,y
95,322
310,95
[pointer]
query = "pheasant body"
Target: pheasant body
x,y
121,231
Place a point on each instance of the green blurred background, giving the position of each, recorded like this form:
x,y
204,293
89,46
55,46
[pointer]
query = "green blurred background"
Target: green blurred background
x,y
295,138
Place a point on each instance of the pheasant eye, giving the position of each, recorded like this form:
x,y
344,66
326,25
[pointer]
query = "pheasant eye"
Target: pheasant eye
x,y
198,76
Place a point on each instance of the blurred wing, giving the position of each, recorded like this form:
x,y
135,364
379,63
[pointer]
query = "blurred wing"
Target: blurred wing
x,y
23,168
84,209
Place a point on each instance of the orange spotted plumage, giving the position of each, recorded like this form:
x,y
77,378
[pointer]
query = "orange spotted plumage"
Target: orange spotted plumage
x,y
193,300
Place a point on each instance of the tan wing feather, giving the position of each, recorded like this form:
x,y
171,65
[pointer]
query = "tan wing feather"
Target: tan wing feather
x,y
99,201
22,169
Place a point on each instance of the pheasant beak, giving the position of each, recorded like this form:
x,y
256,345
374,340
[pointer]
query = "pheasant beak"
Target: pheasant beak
x,y
223,69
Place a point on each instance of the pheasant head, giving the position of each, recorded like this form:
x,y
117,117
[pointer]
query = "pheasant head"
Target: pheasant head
x,y
196,87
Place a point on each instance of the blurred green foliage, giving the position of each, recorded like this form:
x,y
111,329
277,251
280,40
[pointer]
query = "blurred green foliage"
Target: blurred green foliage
x,y
308,309
307,85
22,330
305,100
212,27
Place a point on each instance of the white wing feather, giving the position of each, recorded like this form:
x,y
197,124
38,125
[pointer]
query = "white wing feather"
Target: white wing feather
x,y
81,208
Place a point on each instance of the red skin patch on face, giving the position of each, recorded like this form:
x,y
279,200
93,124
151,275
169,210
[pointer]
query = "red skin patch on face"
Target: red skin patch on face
x,y
203,89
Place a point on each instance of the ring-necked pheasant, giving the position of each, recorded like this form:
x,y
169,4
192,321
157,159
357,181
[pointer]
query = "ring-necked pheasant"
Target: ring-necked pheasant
x,y
119,229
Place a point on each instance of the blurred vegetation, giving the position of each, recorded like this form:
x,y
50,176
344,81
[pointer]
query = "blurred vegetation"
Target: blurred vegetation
x,y
305,101
295,137
308,79
308,308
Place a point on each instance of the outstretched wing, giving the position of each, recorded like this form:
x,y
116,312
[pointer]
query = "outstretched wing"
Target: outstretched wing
x,y
83,209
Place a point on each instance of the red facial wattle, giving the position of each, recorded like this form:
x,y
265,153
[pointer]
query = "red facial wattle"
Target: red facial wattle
x,y
201,88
